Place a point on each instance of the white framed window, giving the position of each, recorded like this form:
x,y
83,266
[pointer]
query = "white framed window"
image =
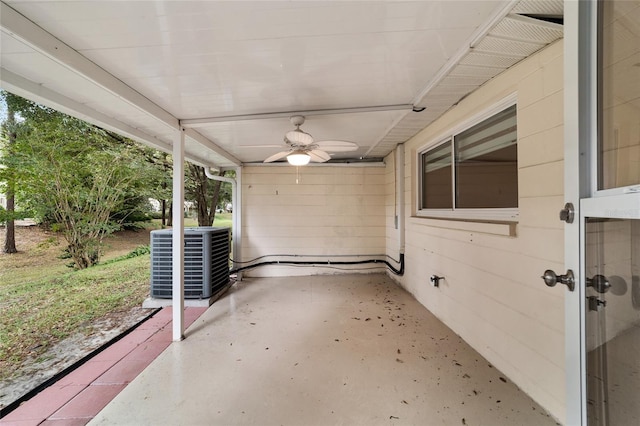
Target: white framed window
x,y
472,172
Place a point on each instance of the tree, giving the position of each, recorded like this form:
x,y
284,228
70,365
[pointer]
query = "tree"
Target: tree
x,y
153,180
204,192
165,185
162,185
77,175
10,134
79,184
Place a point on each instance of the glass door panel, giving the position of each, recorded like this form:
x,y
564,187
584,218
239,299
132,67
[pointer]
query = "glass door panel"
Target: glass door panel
x,y
612,309
612,239
619,81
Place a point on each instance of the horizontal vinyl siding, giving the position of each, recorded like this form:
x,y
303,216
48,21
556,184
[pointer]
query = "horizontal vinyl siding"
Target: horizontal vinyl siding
x,y
332,211
492,294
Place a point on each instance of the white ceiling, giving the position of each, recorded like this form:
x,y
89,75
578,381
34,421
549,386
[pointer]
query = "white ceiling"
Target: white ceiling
x,y
232,72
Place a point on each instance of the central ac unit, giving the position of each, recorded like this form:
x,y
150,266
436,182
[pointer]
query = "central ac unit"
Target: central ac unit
x,y
206,262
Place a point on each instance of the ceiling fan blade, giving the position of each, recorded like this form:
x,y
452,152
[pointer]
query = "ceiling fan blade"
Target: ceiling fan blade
x,y
277,156
318,156
259,146
298,137
337,146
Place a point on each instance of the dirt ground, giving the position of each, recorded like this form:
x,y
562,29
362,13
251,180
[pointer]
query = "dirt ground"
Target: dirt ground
x,y
42,245
40,248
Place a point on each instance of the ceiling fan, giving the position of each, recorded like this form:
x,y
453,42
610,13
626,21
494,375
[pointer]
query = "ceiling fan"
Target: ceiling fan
x,y
302,148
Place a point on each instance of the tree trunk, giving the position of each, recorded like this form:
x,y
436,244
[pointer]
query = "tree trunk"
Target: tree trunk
x,y
205,204
214,199
165,166
10,237
170,217
201,188
201,201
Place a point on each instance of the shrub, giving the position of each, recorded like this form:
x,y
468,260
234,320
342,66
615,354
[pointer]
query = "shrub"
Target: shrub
x,y
138,251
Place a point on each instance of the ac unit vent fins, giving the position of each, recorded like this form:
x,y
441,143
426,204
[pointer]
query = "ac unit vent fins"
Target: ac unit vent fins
x,y
206,262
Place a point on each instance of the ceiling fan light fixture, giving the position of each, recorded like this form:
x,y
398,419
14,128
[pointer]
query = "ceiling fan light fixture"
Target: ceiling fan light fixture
x,y
299,137
298,158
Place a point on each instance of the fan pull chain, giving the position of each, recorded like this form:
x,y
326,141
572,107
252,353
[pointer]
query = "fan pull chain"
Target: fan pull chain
x,y
297,175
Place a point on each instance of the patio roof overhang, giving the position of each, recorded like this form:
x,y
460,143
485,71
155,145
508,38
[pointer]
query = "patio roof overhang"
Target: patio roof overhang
x,y
232,73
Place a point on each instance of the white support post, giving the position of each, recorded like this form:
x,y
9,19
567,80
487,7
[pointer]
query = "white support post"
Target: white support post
x,y
237,220
178,237
400,192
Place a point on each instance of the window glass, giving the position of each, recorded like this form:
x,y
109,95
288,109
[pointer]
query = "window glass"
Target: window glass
x,y
487,163
436,178
474,169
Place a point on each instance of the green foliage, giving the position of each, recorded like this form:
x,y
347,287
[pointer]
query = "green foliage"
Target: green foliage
x,y
134,214
6,215
71,172
85,181
138,251
155,215
65,255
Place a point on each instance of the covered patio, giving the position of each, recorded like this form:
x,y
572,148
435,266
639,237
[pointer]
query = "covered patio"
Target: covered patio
x,y
340,323
350,349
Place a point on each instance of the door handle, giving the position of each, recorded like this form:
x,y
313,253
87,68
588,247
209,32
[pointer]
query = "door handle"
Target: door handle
x,y
599,283
595,304
551,279
568,213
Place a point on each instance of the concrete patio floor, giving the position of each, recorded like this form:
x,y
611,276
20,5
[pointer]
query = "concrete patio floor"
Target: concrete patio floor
x,y
320,350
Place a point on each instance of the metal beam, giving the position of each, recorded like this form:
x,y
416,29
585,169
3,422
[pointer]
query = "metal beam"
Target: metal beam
x,y
37,38
201,122
41,94
384,134
38,93
202,140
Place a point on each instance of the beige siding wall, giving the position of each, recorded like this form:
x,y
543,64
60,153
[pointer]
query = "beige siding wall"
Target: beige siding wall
x,y
333,210
493,295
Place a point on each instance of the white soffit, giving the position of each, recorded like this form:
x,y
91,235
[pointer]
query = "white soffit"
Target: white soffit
x,y
527,28
144,68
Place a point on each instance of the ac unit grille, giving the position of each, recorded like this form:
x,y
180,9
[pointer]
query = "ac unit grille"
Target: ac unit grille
x,y
206,262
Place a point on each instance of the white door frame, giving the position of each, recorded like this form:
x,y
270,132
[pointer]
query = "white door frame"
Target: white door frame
x,y
580,180
576,186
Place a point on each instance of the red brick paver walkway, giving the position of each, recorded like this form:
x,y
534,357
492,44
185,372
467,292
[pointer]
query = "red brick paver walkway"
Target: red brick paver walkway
x,y
77,397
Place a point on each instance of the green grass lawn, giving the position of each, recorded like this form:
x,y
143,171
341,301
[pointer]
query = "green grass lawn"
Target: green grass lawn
x,y
40,312
222,220
42,301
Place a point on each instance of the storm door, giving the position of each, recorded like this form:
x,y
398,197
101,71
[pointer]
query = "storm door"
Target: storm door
x,y
603,169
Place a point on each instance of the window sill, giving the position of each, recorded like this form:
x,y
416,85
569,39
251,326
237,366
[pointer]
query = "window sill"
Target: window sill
x,y
495,227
